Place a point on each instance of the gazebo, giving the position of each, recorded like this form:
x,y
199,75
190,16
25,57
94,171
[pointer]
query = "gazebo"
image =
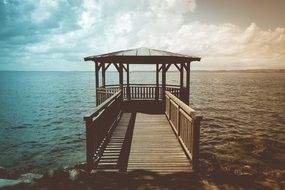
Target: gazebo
x,y
162,59
142,126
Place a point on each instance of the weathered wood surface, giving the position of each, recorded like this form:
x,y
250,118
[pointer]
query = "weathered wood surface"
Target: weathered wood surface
x,y
135,92
110,160
186,126
155,146
102,96
161,143
99,127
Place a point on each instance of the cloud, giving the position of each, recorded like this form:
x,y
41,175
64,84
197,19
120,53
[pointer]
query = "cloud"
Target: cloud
x,y
57,34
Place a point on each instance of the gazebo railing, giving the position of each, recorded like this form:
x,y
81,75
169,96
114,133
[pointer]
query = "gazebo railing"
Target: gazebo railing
x,y
141,91
136,92
103,95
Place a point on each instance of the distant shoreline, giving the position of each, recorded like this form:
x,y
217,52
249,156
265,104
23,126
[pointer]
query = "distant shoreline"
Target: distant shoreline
x,y
222,70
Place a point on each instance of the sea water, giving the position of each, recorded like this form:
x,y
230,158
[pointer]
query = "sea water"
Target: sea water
x,y
41,117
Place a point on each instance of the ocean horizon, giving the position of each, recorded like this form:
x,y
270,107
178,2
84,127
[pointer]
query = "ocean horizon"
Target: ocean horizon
x,y
151,70
41,118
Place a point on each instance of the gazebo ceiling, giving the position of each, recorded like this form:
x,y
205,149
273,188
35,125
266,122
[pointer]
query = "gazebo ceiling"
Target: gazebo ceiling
x,y
142,56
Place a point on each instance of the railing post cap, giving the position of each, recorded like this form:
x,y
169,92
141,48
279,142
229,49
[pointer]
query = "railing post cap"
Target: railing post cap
x,y
199,117
87,118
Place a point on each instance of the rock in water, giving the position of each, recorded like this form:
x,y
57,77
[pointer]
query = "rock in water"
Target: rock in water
x,y
30,177
73,174
77,174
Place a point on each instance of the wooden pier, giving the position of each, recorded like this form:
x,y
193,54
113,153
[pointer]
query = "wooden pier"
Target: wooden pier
x,y
143,126
155,146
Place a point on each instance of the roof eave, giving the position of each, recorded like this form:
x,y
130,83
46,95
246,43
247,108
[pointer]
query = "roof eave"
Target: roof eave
x,y
142,59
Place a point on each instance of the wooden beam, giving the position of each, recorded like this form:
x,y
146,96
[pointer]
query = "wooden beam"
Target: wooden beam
x,y
183,66
167,67
125,67
100,65
142,59
108,66
179,69
160,68
117,67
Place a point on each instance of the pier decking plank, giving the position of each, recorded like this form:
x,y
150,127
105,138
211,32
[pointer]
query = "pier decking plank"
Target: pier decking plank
x,y
155,147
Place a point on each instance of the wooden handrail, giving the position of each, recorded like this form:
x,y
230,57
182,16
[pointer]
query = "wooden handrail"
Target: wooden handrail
x,y
99,127
181,104
134,84
186,126
103,92
102,106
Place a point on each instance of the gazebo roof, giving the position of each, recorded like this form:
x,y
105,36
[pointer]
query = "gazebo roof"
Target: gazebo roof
x,y
142,56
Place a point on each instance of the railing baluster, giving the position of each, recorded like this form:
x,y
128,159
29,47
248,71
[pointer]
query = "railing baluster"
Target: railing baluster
x,y
146,93
136,91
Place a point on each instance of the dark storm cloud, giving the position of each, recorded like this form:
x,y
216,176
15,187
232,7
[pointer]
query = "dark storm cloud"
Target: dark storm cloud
x,y
28,22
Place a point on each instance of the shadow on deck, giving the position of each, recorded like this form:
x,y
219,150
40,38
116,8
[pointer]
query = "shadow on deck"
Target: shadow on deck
x,y
143,106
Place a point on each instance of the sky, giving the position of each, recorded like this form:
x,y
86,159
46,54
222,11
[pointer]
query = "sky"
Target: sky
x,y
55,35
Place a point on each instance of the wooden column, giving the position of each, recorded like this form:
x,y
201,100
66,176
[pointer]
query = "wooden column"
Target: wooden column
x,y
181,82
196,143
187,93
181,75
89,143
96,75
121,75
103,75
128,82
96,80
163,83
157,82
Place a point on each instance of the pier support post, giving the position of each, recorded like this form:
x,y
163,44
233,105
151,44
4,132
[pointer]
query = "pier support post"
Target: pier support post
x,y
181,75
163,83
187,92
181,82
128,82
89,143
121,75
157,82
196,142
103,75
96,80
